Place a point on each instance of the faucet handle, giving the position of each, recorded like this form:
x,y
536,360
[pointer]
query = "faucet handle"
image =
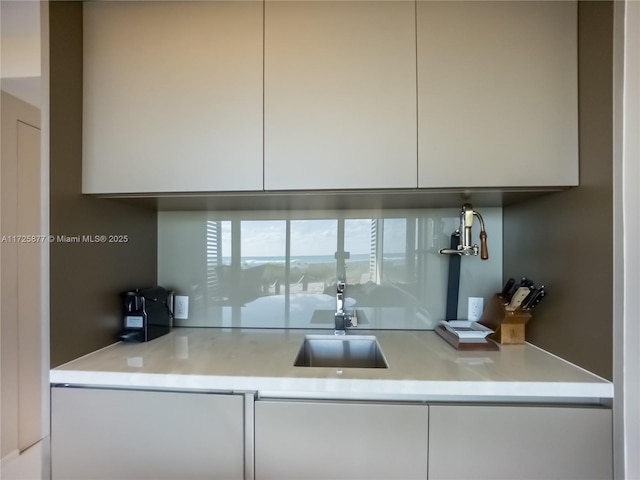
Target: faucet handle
x,y
484,251
353,319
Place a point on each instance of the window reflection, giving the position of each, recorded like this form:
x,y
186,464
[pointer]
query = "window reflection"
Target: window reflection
x,y
265,270
248,259
313,247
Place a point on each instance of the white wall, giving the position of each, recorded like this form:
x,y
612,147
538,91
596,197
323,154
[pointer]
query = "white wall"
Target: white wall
x,y
20,66
627,232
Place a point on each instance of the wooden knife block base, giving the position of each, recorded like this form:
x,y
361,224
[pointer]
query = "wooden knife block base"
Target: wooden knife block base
x,y
508,326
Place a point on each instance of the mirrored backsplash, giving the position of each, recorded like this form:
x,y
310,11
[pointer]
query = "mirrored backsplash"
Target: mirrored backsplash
x,y
280,269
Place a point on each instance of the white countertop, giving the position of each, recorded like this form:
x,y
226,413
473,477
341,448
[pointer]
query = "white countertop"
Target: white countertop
x,y
422,367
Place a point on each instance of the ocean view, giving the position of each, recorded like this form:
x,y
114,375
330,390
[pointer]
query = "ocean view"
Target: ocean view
x,y
300,260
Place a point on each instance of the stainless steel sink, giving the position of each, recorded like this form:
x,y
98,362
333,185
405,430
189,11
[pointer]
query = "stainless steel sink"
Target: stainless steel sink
x,y
346,351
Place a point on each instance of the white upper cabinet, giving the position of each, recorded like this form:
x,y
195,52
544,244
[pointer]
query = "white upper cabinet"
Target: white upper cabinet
x,y
172,96
497,93
189,96
340,95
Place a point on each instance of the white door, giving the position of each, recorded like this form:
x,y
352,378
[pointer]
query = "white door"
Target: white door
x,y
23,373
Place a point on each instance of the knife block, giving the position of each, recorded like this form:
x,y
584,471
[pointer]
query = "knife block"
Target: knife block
x,y
508,326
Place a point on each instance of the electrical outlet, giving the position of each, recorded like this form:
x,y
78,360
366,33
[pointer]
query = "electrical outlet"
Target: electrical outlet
x,y
476,305
181,307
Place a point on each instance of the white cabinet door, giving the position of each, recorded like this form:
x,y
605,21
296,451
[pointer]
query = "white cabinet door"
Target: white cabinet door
x,y
326,440
128,434
497,94
340,95
172,96
496,442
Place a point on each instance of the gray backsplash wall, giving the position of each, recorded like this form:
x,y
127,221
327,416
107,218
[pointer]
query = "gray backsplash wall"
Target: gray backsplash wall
x,y
279,269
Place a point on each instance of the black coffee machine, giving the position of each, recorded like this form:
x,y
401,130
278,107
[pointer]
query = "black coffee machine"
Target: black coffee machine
x,y
148,314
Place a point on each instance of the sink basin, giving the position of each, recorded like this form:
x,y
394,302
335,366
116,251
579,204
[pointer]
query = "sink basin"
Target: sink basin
x,y
346,351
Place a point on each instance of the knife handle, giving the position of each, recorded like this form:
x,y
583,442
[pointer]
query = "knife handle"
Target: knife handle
x,y
484,251
528,299
536,300
517,299
506,290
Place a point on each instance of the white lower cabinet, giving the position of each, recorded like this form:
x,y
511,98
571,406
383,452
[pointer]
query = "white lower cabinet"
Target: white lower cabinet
x,y
332,440
100,434
131,434
519,442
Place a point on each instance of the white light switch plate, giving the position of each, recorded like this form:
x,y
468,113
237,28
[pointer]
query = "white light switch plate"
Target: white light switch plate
x,y
181,307
476,305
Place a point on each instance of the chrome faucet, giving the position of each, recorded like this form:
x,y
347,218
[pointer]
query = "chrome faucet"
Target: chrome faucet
x,y
342,318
